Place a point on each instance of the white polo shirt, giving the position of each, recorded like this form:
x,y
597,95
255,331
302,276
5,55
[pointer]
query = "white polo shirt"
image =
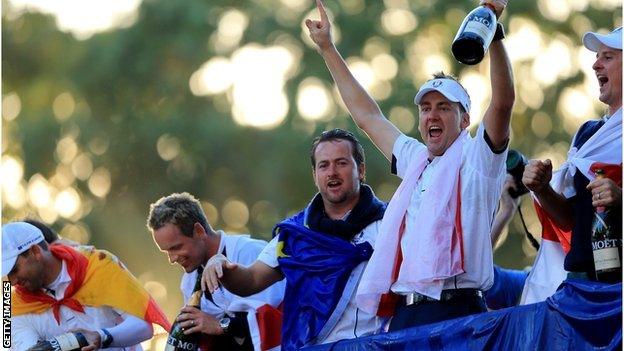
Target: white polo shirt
x,y
482,175
353,322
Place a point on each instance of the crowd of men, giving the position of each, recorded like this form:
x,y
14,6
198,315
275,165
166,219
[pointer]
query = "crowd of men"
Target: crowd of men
x,y
347,265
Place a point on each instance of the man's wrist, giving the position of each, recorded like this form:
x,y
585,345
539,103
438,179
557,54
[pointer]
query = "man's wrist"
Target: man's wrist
x,y
327,49
106,339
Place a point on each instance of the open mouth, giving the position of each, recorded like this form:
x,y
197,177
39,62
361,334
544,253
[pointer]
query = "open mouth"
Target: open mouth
x,y
435,131
333,184
602,80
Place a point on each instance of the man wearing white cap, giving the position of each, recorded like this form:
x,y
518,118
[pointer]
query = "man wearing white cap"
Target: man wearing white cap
x,y
436,229
570,195
58,289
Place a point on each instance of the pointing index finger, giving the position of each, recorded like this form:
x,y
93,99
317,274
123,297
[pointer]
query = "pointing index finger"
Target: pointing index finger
x,y
322,12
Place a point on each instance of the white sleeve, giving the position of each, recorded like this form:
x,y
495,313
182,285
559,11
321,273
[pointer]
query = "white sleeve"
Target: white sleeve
x,y
269,254
23,335
131,331
248,253
480,156
404,149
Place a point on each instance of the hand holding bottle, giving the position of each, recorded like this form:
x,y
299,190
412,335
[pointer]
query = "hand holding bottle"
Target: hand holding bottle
x,y
93,338
605,193
498,6
195,321
477,31
214,270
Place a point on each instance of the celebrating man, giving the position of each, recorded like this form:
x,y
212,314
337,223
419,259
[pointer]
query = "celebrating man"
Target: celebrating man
x,y
439,219
59,289
180,228
567,201
321,251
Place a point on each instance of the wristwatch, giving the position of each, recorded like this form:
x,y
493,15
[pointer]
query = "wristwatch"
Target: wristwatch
x,y
224,323
500,32
106,337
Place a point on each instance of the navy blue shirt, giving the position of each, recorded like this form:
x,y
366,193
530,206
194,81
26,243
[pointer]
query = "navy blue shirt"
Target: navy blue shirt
x,y
580,258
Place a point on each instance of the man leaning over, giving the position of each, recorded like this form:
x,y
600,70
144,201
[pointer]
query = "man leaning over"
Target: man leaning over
x,y
60,289
180,228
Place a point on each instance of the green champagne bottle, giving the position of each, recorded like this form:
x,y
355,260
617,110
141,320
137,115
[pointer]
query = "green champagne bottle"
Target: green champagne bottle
x,y
177,340
606,240
65,342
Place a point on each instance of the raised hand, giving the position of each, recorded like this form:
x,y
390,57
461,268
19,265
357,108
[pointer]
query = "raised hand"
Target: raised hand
x,y
320,31
498,5
537,175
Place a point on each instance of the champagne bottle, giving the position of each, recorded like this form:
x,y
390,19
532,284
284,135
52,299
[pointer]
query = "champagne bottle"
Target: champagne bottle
x,y
474,35
606,240
178,341
65,342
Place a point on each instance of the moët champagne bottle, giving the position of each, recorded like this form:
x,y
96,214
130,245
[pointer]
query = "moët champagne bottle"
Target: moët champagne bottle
x,y
475,35
177,340
606,240
64,342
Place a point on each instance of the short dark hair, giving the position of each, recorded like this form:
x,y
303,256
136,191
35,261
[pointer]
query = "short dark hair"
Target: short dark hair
x,y
442,75
49,235
180,209
338,134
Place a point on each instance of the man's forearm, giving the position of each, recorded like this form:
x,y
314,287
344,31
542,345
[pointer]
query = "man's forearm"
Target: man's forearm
x,y
557,207
501,77
131,331
360,104
503,95
245,281
238,281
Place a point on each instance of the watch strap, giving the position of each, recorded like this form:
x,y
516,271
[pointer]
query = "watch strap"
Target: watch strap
x,y
500,32
107,340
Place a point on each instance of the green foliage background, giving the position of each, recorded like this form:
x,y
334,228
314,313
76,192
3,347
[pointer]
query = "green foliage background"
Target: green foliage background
x,y
131,86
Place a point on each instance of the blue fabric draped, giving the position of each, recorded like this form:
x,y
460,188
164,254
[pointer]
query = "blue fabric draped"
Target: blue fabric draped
x,y
507,288
581,315
317,267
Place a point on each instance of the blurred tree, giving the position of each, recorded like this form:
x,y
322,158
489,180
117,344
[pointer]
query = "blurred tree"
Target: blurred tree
x,y
97,129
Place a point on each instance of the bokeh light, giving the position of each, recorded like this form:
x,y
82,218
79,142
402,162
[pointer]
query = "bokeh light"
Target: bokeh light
x,y
235,213
314,101
11,106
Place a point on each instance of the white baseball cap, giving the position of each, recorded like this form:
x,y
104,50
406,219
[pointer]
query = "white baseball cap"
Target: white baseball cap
x,y
17,237
613,40
447,87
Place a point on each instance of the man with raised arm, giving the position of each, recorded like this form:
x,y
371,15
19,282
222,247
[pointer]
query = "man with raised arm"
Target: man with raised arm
x,y
321,251
436,229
